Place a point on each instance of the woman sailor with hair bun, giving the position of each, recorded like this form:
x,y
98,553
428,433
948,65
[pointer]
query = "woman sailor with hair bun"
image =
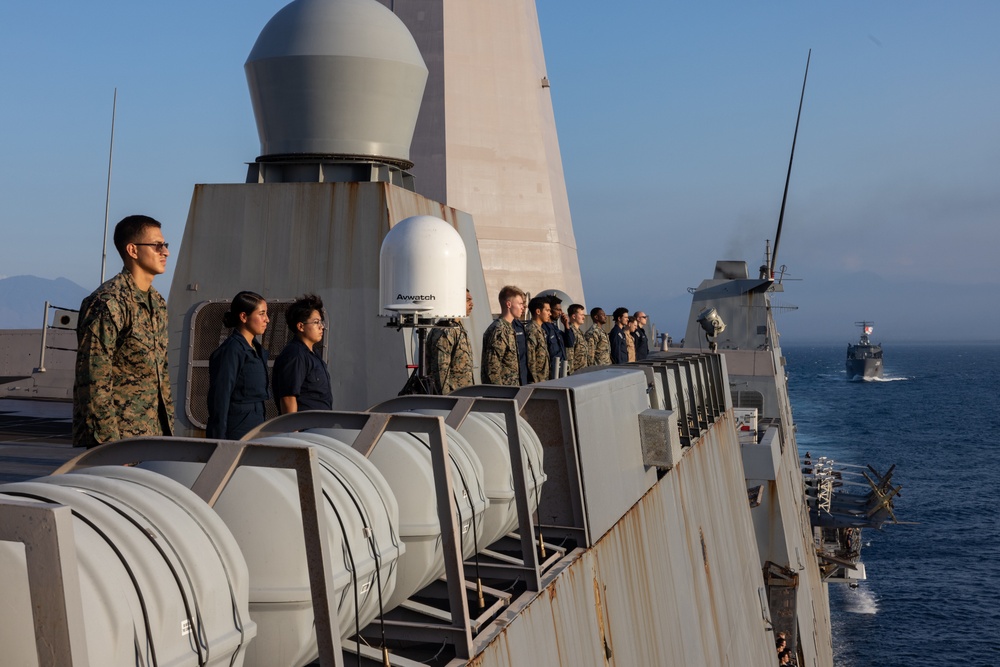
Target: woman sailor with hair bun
x,y
237,371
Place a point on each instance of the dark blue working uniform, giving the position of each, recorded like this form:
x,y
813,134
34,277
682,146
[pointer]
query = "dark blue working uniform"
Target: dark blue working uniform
x,y
300,372
522,350
641,344
237,387
558,340
619,348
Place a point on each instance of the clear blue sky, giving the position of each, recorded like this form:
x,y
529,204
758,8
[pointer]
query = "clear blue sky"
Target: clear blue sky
x,y
675,122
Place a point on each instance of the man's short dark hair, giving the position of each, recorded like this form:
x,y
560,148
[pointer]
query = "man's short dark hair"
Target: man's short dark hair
x,y
300,311
537,303
619,312
594,311
130,229
574,309
553,300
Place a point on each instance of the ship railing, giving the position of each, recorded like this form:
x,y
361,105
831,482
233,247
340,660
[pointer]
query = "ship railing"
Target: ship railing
x,y
695,386
63,319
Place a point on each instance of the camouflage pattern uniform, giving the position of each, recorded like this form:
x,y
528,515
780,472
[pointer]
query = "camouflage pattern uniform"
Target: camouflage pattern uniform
x,y
538,352
449,358
580,355
122,386
630,346
600,346
499,361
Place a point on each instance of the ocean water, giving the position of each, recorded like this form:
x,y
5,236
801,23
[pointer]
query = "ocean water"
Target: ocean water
x,y
932,596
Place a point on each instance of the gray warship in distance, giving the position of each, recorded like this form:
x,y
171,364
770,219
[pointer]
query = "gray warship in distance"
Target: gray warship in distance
x,y
864,358
655,513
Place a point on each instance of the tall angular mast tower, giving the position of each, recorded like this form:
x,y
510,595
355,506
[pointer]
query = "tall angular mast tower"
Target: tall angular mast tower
x,y
486,142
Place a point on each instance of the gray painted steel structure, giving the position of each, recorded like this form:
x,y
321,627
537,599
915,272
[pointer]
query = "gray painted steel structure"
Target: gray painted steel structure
x,y
338,78
662,561
673,578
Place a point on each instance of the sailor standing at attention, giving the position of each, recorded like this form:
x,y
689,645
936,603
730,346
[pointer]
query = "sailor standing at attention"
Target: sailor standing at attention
x,y
641,340
449,353
301,380
122,384
237,371
619,346
535,337
580,355
503,362
559,341
630,330
639,336
600,347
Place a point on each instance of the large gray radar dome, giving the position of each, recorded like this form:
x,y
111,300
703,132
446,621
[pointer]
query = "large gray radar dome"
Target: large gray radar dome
x,y
336,78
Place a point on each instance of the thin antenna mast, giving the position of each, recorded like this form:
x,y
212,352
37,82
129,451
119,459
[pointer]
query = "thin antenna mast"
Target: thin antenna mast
x,y
107,196
788,177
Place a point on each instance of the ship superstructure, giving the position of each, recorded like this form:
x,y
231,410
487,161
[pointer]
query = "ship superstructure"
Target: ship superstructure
x,y
749,342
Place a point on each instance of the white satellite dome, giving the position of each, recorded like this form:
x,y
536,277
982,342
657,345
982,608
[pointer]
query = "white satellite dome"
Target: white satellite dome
x,y
422,269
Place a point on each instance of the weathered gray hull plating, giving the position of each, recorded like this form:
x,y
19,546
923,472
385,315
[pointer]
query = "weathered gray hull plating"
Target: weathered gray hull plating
x,y
674,582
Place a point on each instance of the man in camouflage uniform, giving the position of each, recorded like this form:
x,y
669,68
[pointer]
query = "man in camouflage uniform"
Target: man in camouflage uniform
x,y
501,363
449,354
537,340
122,386
598,339
580,355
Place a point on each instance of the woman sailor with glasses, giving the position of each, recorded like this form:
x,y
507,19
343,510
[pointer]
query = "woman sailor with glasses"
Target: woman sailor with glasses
x,y
301,379
237,371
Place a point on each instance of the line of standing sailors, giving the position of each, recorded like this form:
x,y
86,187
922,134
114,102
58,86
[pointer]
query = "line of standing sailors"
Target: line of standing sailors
x,y
515,353
518,353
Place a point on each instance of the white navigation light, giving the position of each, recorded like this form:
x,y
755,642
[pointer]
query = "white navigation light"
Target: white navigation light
x,y
422,269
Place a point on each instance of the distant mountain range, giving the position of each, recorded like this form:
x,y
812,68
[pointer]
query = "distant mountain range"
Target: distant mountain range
x,y
22,299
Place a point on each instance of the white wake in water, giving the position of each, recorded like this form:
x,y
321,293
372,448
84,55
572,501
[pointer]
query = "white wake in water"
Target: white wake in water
x,y
858,378
860,600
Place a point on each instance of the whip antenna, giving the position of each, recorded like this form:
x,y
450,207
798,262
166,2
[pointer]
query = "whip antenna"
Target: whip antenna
x,y
788,177
107,196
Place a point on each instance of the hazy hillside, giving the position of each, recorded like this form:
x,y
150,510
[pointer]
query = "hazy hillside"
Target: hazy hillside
x,y
22,299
